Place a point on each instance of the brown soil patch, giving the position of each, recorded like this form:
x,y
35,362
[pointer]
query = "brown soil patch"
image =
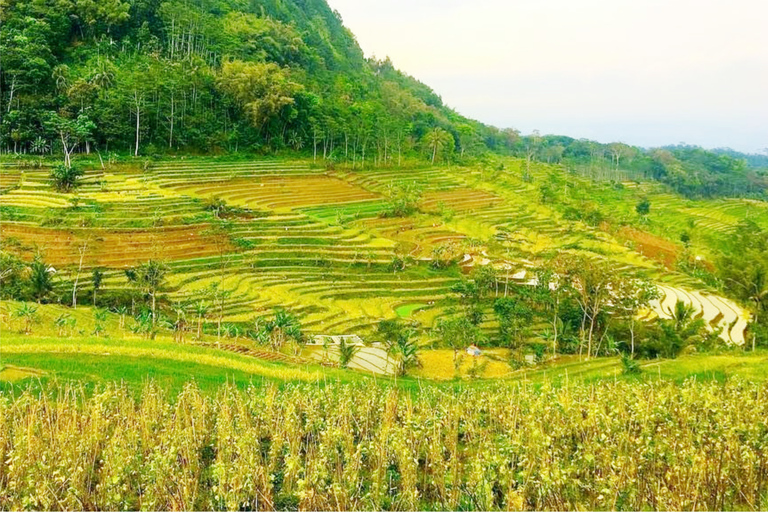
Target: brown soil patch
x,y
463,199
114,249
652,246
281,192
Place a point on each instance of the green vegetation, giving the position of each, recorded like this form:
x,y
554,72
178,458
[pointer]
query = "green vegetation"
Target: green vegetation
x,y
215,247
619,293
94,361
224,76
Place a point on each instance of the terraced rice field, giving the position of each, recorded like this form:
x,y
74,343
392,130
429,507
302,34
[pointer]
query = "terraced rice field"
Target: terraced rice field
x,y
114,248
276,192
717,312
313,241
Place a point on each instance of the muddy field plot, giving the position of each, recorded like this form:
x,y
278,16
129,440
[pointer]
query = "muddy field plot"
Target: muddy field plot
x,y
280,192
114,248
651,246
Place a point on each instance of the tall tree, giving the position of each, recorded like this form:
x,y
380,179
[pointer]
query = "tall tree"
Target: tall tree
x,y
150,278
437,141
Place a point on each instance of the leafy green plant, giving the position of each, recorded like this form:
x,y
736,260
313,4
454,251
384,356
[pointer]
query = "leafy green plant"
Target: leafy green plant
x,y
64,178
28,313
347,352
402,200
282,328
100,316
629,365
40,279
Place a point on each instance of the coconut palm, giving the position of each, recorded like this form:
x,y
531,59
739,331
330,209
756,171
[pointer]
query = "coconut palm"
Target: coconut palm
x,y
41,279
683,329
437,140
104,74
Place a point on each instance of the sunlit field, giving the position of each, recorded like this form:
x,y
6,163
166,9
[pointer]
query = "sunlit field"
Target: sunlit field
x,y
350,447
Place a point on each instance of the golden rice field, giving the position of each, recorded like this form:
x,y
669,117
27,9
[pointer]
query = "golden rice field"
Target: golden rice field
x,y
660,446
314,241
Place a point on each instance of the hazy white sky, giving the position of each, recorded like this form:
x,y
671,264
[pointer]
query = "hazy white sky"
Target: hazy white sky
x,y
645,72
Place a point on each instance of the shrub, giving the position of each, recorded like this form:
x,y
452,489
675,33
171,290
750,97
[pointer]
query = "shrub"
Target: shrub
x,y
629,365
66,178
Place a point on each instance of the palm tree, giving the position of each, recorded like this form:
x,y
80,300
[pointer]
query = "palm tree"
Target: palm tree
x,y
751,283
295,141
41,279
437,140
347,352
404,350
104,74
61,77
283,328
683,329
40,146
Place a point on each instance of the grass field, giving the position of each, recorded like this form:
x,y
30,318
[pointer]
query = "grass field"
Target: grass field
x,y
28,360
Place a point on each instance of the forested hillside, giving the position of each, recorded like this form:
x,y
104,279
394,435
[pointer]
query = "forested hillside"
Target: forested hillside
x,y
152,77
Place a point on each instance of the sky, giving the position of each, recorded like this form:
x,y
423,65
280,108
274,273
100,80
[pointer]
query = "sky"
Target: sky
x,y
643,72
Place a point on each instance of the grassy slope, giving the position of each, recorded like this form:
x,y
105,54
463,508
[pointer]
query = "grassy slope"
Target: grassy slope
x,y
135,362
30,360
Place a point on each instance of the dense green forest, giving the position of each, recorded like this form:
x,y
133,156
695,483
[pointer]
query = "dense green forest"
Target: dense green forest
x,y
151,77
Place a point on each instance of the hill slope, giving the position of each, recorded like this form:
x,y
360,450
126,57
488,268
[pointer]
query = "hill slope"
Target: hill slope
x,y
208,75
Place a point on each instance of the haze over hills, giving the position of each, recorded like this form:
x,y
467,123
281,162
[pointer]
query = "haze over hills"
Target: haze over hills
x,y
647,74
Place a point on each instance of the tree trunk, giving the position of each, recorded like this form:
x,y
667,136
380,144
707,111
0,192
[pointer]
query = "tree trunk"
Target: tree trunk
x,y
138,123
170,137
13,89
82,251
591,333
74,290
